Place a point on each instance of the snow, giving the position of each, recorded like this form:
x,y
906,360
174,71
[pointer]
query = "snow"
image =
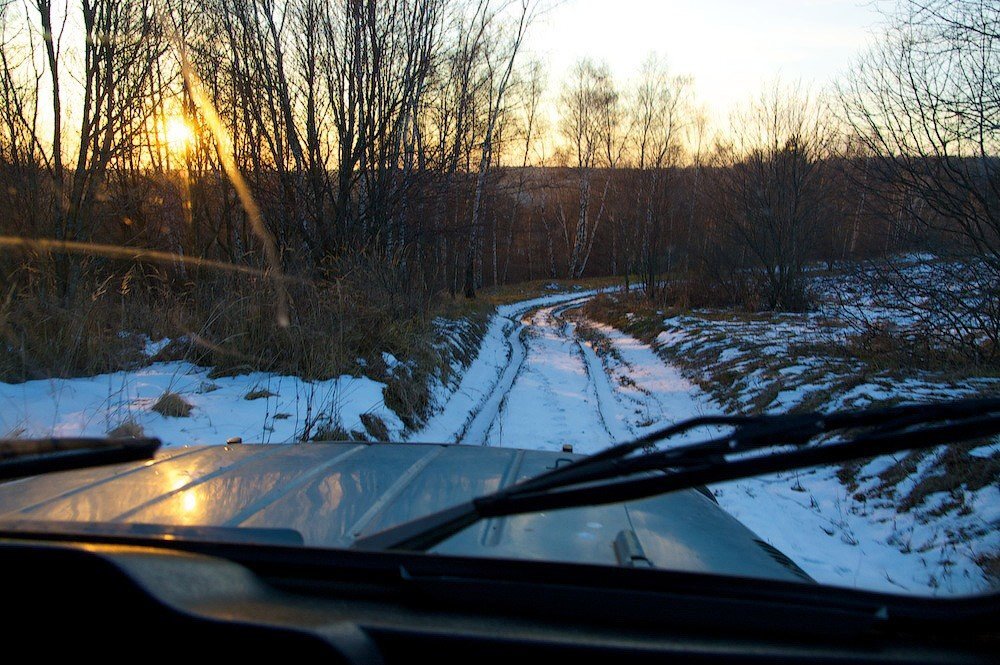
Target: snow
x,y
808,515
466,413
867,537
985,452
535,384
651,394
551,398
878,549
151,348
544,377
539,383
92,406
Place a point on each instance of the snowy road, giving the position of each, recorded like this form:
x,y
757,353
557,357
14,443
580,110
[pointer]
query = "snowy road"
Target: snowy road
x,y
549,395
538,384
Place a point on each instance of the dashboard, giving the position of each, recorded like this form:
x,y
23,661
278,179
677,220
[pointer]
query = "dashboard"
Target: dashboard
x,y
111,598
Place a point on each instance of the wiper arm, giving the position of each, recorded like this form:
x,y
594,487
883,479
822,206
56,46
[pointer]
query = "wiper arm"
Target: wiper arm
x,y
30,457
615,475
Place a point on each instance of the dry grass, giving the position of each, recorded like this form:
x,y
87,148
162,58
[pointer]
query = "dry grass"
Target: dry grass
x,y
375,427
332,433
229,323
225,322
902,469
408,388
128,429
954,470
882,347
600,343
927,483
40,340
409,397
990,565
172,405
848,472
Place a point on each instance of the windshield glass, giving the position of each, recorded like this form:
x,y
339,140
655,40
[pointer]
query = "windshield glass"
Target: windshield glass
x,y
534,229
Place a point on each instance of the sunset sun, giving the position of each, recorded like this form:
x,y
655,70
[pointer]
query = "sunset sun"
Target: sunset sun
x,y
178,134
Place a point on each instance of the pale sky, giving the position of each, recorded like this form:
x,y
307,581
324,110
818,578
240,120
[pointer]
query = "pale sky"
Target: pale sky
x,y
732,48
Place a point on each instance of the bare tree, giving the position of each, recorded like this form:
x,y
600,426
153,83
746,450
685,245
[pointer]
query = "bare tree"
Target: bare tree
x,y
588,118
925,106
120,42
660,113
530,89
496,95
770,194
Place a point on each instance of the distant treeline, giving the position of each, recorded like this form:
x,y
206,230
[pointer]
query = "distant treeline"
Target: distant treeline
x,y
390,150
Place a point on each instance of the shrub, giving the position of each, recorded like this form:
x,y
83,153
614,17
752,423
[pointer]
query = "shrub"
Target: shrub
x,y
128,429
172,405
375,427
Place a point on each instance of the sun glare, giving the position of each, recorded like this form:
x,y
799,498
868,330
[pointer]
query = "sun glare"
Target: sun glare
x,y
178,134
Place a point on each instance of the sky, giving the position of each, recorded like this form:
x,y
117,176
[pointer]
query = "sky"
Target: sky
x,y
732,48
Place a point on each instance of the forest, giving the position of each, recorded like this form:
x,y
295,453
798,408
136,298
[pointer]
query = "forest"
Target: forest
x,y
292,185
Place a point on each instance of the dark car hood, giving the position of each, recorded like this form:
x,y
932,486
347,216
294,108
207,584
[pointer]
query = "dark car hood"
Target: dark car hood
x,y
333,492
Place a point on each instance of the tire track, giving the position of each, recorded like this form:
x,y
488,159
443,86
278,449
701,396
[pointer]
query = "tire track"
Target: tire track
x,y
482,420
598,380
608,403
544,346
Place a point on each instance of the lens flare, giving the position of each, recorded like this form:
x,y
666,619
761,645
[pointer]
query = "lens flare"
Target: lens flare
x,y
178,134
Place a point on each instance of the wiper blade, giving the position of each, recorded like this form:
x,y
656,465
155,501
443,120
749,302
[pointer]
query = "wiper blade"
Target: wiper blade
x,y
113,531
31,457
757,445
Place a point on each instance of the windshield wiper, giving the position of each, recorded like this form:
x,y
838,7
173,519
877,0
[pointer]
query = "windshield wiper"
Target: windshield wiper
x,y
115,531
756,445
31,457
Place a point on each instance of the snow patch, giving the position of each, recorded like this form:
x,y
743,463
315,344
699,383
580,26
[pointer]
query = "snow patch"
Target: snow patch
x,y
92,406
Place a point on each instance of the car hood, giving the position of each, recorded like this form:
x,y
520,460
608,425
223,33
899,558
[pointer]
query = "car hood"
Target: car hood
x,y
329,494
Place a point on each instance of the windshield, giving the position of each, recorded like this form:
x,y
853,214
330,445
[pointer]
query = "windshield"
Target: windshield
x,y
531,229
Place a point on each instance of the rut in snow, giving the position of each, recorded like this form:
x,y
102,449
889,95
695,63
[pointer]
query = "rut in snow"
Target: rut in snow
x,y
536,384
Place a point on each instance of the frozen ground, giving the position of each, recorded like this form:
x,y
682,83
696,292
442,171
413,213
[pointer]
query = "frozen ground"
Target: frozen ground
x,y
924,522
546,376
538,383
282,409
814,518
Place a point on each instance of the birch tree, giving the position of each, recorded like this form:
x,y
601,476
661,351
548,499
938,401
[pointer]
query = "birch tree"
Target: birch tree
x,y
587,104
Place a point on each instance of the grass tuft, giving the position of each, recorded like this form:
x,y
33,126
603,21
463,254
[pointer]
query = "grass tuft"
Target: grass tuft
x,y
375,427
331,432
128,429
172,405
